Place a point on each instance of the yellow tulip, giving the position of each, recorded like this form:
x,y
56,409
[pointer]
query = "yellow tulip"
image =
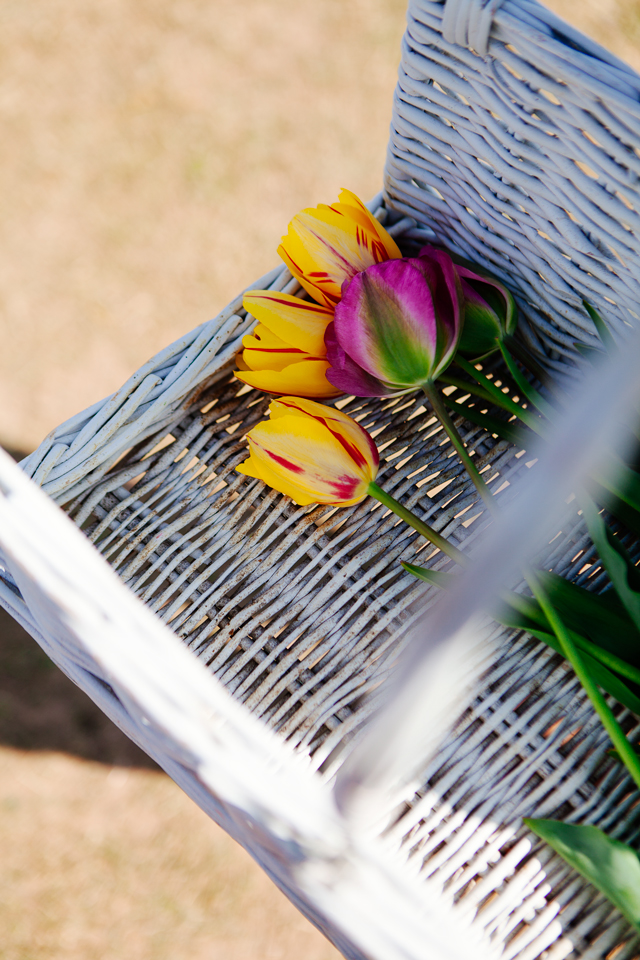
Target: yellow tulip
x,y
327,245
286,353
312,453
315,454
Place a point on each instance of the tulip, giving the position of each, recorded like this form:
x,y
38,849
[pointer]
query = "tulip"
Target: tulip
x,y
397,326
490,318
286,352
490,312
327,245
313,453
316,454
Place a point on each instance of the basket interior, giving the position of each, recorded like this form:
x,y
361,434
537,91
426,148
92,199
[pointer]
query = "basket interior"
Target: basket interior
x,y
296,609
300,612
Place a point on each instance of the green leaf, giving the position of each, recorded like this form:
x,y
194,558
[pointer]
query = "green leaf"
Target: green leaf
x,y
474,388
497,397
513,432
600,617
625,577
600,674
623,483
518,350
587,352
533,396
524,613
620,510
603,331
436,577
611,866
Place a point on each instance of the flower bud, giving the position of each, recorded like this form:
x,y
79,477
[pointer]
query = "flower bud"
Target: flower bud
x,y
490,312
286,352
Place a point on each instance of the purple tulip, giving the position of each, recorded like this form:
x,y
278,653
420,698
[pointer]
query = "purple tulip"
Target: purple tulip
x,y
490,312
396,327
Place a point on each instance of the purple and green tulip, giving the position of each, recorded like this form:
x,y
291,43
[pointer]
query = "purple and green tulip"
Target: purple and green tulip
x,y
397,328
490,312
400,323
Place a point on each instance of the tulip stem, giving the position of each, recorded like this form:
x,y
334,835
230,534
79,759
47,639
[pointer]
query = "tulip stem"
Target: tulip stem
x,y
423,528
532,395
502,400
441,413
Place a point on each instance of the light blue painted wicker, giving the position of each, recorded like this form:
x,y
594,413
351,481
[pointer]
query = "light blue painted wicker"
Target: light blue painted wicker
x,y
515,138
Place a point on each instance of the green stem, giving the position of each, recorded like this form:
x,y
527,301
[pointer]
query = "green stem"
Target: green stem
x,y
525,387
473,388
609,722
496,396
608,659
423,528
440,411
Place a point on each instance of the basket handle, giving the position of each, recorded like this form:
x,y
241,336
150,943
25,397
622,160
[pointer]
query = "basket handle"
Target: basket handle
x,y
468,23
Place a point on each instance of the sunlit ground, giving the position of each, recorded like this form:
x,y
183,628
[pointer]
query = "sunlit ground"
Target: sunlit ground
x,y
153,153
102,856
107,863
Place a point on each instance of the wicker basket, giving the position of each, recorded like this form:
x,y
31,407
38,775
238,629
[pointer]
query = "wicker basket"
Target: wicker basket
x,y
515,142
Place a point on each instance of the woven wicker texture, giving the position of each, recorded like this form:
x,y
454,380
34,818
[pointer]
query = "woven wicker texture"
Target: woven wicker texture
x,y
279,602
519,149
278,599
300,612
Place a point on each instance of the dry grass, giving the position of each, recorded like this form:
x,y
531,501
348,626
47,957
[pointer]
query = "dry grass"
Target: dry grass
x,y
104,863
154,151
110,860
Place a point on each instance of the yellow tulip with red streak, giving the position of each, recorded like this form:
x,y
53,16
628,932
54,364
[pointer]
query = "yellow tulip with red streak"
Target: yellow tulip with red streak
x,y
312,453
327,245
286,352
324,247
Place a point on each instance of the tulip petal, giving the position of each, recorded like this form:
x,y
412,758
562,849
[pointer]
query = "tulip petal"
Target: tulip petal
x,y
448,300
240,363
259,467
300,457
348,198
327,245
481,330
274,360
345,374
386,322
296,322
492,290
306,378
495,294
322,255
353,438
265,351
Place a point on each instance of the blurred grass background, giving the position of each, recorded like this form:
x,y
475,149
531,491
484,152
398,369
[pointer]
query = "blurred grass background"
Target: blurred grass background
x,y
153,153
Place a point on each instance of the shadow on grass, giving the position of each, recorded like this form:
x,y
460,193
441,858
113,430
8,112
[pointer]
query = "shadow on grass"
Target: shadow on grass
x,y
41,709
